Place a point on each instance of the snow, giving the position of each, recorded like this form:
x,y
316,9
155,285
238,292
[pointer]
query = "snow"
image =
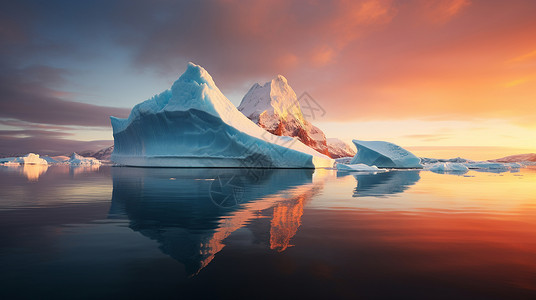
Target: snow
x,y
338,148
447,167
275,107
274,98
384,155
78,160
194,125
358,168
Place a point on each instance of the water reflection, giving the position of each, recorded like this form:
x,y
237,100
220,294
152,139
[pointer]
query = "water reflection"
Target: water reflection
x,y
33,172
450,172
80,169
383,184
190,212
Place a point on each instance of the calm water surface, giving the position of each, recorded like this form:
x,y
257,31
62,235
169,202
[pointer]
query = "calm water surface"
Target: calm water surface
x,y
113,232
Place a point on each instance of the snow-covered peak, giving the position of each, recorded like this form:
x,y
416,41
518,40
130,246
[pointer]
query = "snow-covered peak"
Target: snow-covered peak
x,y
276,98
281,78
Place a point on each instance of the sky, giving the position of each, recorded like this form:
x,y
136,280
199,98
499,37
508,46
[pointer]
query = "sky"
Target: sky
x,y
443,78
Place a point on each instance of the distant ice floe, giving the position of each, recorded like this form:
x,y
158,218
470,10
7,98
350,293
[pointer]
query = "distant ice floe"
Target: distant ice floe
x,y
77,160
447,167
462,166
35,159
33,166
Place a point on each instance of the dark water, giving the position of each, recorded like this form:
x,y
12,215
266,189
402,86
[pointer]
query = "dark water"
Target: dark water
x,y
228,233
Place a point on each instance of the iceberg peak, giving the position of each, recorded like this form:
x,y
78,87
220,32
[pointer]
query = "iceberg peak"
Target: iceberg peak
x,y
196,73
280,78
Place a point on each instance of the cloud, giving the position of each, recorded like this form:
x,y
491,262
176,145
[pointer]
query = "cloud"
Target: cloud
x,y
441,11
27,95
33,133
525,57
428,137
47,145
49,142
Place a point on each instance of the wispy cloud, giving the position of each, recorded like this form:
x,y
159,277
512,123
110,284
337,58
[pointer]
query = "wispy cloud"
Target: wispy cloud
x,y
27,96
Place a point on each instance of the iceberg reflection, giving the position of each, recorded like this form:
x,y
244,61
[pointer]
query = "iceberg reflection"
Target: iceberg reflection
x,y
30,171
190,212
382,184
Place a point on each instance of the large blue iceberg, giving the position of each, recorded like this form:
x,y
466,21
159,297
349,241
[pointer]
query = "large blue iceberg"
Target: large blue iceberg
x,y
194,125
384,155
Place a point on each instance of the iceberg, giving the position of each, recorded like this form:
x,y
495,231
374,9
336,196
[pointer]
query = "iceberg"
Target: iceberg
x,y
358,168
194,125
78,160
447,167
28,159
384,155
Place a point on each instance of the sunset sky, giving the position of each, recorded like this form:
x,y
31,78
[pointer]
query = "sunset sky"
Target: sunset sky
x,y
441,77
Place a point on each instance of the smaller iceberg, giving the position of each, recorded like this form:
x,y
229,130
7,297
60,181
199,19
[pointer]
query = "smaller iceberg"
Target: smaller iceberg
x,y
28,159
384,155
78,160
358,168
447,167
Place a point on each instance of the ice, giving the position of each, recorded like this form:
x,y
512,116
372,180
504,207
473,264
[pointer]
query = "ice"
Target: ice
x,y
28,159
78,160
358,168
493,166
194,125
447,167
427,160
384,155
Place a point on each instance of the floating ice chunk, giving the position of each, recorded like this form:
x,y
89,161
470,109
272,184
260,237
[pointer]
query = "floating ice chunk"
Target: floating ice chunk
x,y
195,125
78,160
384,155
28,159
427,160
487,165
31,159
359,168
447,167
